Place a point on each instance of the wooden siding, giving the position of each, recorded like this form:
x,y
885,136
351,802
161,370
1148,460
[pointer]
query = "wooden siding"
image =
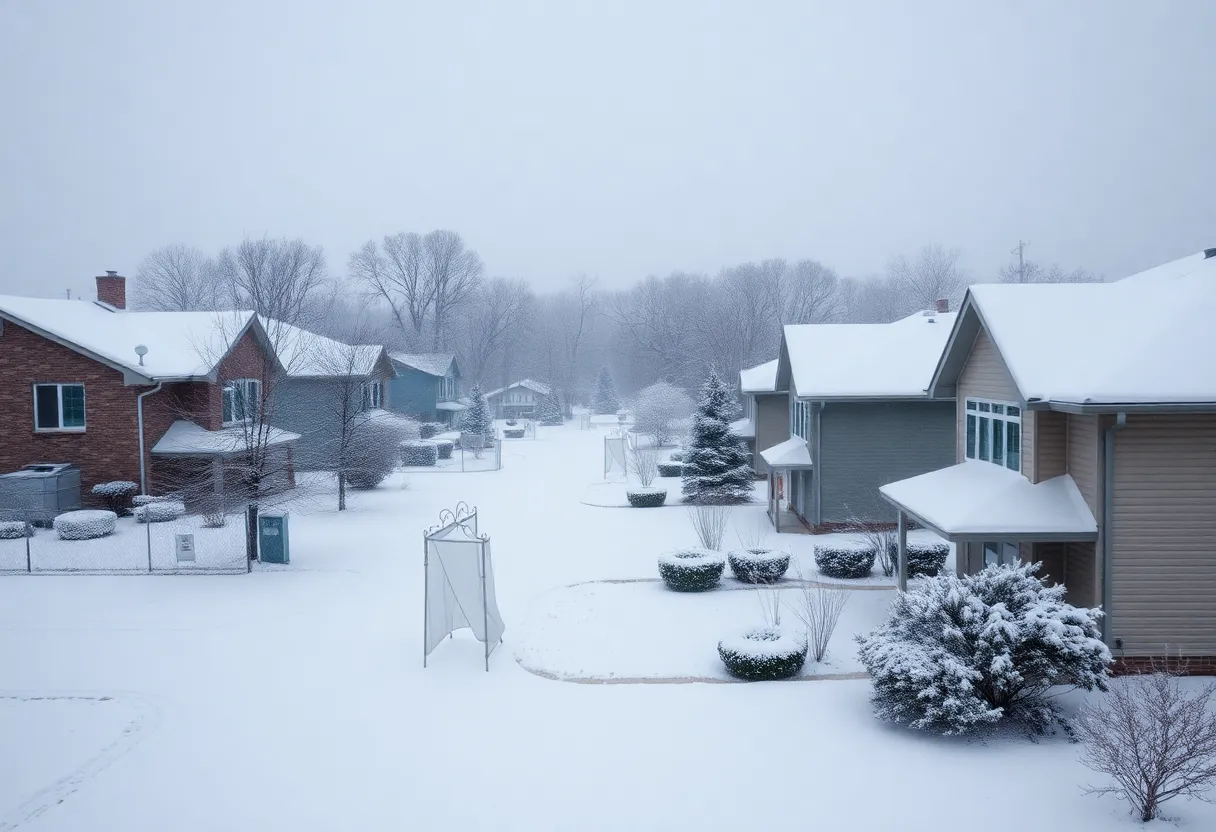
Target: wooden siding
x,y
1081,575
1164,535
984,376
772,425
1050,445
1029,421
1083,448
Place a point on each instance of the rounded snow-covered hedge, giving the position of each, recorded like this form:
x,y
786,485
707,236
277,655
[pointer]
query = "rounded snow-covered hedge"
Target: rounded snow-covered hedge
x,y
758,566
419,453
763,654
15,529
444,446
691,570
160,512
844,563
85,525
925,558
676,456
512,423
671,469
513,433
428,429
646,497
146,499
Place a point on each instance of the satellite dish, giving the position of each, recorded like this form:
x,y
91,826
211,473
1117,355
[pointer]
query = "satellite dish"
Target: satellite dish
x,y
141,351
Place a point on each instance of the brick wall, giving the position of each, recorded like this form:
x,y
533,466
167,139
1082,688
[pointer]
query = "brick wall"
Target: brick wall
x,y
1182,665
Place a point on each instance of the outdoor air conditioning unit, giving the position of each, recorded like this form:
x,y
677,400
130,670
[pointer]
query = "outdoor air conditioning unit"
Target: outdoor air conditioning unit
x,y
40,492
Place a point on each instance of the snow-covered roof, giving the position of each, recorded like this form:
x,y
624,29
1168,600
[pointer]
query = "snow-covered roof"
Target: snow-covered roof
x,y
306,354
760,379
1145,339
867,361
431,363
977,498
535,386
792,453
743,428
185,438
181,345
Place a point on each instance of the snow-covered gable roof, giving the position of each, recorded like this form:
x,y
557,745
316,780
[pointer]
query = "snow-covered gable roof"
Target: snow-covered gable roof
x,y
306,354
760,379
867,361
1147,339
535,386
792,453
181,345
431,363
980,498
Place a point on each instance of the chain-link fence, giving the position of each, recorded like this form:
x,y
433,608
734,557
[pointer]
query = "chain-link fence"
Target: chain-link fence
x,y
465,453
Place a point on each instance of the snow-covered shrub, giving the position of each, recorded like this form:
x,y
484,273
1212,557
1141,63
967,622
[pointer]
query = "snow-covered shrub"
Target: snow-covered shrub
x,y
763,654
758,566
646,497
670,469
477,418
215,520
426,430
551,411
709,522
422,452
512,422
513,433
116,495
691,570
819,606
676,456
85,525
716,464
926,558
844,562
605,400
444,446
145,499
644,464
371,452
162,511
15,529
957,654
658,408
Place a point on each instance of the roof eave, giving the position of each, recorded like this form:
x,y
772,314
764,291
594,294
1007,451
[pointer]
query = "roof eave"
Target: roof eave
x,y
971,536
1084,408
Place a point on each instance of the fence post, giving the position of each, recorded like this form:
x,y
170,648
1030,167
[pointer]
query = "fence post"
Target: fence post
x,y
148,535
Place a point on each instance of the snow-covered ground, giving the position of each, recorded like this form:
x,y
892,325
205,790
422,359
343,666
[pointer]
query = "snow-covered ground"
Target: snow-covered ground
x,y
295,697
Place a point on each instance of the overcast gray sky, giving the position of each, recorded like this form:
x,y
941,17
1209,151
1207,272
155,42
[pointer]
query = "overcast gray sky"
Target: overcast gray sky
x,y
613,138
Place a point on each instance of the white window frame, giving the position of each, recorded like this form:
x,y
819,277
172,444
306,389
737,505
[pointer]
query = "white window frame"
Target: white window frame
x,y
1004,554
447,388
977,409
800,420
59,385
372,394
248,412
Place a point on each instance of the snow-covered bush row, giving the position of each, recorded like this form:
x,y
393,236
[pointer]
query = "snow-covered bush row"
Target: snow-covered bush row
x,y
957,654
758,566
444,447
670,469
426,430
371,453
691,570
763,654
163,511
85,525
844,563
513,433
15,529
419,453
646,497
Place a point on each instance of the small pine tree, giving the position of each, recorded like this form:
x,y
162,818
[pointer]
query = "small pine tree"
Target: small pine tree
x,y
477,419
605,401
716,469
551,410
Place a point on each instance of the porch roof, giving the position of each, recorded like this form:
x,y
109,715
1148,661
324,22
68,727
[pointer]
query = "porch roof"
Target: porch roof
x,y
454,406
743,428
982,501
185,438
792,453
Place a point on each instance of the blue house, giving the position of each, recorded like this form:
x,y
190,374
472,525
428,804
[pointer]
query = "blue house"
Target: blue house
x,y
426,386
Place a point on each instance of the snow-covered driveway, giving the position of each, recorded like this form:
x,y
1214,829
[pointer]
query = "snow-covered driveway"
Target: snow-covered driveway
x,y
296,699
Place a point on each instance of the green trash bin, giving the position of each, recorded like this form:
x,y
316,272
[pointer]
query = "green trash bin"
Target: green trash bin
x,y
272,537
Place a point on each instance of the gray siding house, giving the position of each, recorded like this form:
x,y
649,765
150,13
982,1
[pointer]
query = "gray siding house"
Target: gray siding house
x,y
519,400
1086,442
766,411
427,386
325,385
859,417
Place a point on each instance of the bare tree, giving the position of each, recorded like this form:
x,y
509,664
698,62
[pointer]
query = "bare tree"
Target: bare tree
x,y
565,321
176,277
806,293
710,522
452,273
1028,271
933,274
1153,738
819,606
278,279
657,409
396,273
494,314
644,464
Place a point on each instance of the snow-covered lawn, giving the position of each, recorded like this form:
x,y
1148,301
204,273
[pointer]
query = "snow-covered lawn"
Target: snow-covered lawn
x,y
295,697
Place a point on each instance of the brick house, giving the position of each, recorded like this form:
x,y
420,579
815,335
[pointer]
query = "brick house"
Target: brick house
x,y
169,400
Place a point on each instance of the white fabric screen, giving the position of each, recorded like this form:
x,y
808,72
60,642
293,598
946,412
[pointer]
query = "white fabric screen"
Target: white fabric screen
x,y
460,586
614,455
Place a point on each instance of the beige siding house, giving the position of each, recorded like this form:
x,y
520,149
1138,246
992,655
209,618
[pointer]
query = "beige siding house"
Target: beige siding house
x,y
1087,442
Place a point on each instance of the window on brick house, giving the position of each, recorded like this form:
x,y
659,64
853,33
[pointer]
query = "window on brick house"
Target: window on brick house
x,y
59,407
242,399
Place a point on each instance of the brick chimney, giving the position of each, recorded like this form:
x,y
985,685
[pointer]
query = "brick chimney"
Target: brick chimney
x,y
112,289
943,304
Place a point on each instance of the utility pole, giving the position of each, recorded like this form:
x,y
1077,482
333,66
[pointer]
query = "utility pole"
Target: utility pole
x,y
1020,252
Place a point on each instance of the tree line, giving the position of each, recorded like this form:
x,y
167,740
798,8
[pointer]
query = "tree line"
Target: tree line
x,y
430,292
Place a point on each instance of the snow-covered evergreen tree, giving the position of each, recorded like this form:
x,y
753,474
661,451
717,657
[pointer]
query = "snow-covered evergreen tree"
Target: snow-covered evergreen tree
x,y
957,654
716,468
551,410
605,400
477,419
